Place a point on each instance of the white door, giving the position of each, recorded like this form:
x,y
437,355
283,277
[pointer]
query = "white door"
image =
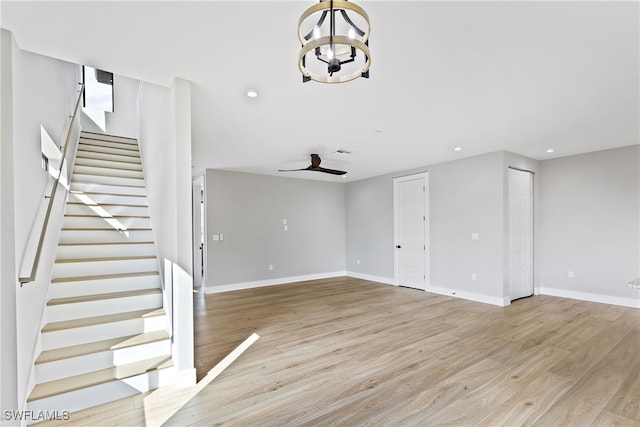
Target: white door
x,y
520,233
410,217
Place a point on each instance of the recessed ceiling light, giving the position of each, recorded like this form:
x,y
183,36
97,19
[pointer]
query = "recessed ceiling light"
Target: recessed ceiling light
x,y
252,94
550,150
457,149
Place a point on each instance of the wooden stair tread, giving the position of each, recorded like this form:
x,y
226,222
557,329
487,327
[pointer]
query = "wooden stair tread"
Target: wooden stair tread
x,y
109,167
107,243
91,138
83,143
109,204
104,229
106,259
109,185
88,149
99,297
65,385
107,176
104,276
87,132
102,217
100,346
131,162
97,320
99,193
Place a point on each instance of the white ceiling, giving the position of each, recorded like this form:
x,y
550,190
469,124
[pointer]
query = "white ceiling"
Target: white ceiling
x,y
484,76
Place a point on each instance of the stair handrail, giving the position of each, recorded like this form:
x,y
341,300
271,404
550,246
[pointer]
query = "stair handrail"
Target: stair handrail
x,y
54,190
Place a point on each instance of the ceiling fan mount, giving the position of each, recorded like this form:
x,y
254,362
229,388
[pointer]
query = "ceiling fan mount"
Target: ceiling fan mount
x,y
315,167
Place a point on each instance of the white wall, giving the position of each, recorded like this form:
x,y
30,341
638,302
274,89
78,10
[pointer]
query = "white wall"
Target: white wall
x,y
158,153
589,214
44,93
123,121
8,270
165,144
249,211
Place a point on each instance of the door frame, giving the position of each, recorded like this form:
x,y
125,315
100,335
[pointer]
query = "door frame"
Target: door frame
x,y
396,255
199,256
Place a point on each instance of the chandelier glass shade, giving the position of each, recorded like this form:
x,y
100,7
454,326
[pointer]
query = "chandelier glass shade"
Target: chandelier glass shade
x,y
335,42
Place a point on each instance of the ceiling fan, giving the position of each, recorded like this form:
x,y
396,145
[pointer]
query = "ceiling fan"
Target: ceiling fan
x,y
315,166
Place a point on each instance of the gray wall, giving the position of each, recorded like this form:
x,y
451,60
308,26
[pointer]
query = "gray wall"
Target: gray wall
x,y
465,196
249,211
589,214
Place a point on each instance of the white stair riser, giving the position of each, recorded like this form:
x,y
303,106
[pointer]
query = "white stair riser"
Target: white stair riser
x,y
105,331
103,188
91,268
82,310
104,393
99,251
109,142
105,137
103,286
97,155
113,210
109,180
110,199
107,172
78,365
83,161
83,236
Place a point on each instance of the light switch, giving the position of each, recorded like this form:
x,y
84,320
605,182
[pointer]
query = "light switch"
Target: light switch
x,y
284,222
222,237
475,236
286,227
215,237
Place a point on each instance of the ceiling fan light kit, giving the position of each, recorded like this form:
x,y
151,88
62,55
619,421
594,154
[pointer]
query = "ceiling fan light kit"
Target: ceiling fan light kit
x,y
336,32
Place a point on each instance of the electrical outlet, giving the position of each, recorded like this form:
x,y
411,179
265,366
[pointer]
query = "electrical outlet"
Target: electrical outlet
x,y
270,267
358,262
473,276
570,274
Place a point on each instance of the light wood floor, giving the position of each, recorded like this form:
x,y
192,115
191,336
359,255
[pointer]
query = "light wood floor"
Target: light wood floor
x,y
348,352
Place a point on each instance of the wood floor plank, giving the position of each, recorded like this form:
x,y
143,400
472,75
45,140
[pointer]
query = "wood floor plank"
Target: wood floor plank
x,y
626,401
584,402
345,351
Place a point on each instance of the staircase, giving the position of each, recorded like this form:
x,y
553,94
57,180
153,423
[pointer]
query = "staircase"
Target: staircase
x,y
106,333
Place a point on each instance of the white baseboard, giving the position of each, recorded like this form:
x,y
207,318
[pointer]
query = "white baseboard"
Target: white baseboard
x,y
379,279
471,296
587,296
209,289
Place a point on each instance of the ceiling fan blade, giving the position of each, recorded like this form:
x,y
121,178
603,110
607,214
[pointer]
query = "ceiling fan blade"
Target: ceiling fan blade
x,y
331,171
293,170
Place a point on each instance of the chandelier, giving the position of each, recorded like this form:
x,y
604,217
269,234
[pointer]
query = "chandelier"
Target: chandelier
x,y
340,43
